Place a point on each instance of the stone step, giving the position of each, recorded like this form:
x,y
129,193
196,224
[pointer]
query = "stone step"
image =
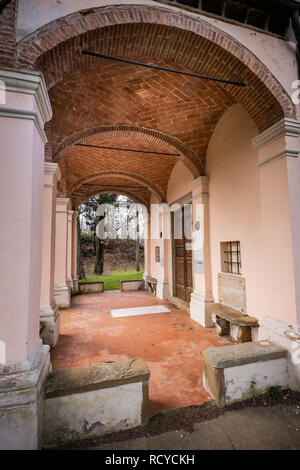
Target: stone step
x,y
241,371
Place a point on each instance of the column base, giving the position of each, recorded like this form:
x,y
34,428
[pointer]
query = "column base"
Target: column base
x,y
70,284
75,285
49,324
199,309
62,295
162,289
21,400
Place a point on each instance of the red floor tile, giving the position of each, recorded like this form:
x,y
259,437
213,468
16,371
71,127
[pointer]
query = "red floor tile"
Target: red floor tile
x,y
170,343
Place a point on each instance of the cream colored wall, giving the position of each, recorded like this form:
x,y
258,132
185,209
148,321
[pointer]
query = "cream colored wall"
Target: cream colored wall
x,y
234,201
179,181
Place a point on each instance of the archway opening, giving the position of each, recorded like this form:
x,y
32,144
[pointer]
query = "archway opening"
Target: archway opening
x,y
111,239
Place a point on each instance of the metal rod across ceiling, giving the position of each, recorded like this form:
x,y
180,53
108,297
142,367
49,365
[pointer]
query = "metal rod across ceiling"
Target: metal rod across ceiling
x,y
129,150
158,67
113,186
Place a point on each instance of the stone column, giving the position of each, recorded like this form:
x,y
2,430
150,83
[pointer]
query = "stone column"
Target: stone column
x,y
279,173
24,360
201,296
70,251
49,311
74,253
163,287
62,293
147,247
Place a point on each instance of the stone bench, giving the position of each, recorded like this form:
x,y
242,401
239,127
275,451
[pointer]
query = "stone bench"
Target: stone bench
x,y
151,285
85,402
90,287
241,371
132,284
232,322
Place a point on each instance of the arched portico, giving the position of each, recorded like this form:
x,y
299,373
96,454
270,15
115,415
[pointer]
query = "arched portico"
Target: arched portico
x,y
117,105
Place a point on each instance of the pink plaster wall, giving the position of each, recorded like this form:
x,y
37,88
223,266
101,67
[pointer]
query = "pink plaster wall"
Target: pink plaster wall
x,y
61,241
21,196
234,201
49,223
251,204
279,281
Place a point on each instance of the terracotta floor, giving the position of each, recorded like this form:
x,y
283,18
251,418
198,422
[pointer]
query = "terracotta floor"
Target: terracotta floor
x,y
170,343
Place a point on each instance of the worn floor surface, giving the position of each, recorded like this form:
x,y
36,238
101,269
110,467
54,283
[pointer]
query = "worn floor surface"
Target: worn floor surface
x,y
275,428
170,343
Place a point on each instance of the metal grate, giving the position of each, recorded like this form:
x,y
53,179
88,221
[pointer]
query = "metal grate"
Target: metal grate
x,y
233,257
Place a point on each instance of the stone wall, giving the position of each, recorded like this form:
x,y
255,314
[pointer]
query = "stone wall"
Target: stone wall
x,y
132,284
90,287
85,402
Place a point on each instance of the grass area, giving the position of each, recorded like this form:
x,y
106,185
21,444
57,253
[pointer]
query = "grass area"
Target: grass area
x,y
112,282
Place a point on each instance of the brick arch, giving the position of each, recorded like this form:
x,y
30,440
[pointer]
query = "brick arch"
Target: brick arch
x,y
134,196
265,97
152,187
167,143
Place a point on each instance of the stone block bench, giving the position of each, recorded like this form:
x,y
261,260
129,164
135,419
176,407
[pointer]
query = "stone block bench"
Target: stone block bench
x,y
231,322
85,402
90,287
151,284
241,371
132,284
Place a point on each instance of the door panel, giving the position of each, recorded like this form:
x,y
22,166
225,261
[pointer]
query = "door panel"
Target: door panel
x,y
183,276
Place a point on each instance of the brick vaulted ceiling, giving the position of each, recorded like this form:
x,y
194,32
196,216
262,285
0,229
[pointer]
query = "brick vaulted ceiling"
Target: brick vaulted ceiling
x,y
155,110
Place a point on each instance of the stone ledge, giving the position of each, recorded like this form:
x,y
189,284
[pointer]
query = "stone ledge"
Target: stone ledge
x,y
244,353
90,287
83,379
132,284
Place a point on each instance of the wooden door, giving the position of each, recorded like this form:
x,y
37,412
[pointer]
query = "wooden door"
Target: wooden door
x,y
182,251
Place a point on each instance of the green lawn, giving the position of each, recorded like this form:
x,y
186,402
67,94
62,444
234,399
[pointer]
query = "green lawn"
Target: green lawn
x,y
113,282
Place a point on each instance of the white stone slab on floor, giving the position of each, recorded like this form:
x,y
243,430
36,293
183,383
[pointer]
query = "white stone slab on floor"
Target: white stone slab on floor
x,y
130,312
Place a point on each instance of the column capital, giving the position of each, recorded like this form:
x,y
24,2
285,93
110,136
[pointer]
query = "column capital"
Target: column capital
x,y
52,169
38,109
29,82
62,204
199,188
199,182
285,127
70,215
279,141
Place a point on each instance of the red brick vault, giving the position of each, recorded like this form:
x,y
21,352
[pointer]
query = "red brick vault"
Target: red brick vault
x,y
120,105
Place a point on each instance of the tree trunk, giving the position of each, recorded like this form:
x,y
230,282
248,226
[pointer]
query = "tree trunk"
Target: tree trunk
x,y
94,240
137,242
99,259
80,269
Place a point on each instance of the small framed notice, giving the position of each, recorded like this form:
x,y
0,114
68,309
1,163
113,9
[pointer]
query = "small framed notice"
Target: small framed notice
x,y
157,254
